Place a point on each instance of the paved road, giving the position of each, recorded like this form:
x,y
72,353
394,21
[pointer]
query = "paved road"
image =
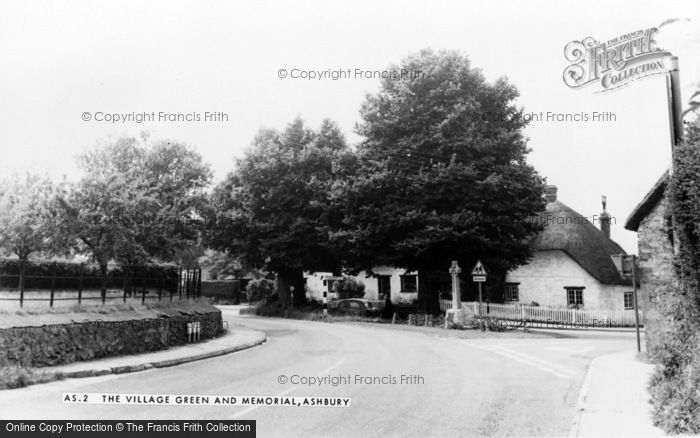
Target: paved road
x,y
476,387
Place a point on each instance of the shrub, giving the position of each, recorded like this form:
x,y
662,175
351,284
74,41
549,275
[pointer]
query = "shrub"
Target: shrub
x,y
350,288
269,309
260,289
675,386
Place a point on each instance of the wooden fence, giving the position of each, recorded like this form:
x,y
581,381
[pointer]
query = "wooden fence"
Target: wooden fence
x,y
549,316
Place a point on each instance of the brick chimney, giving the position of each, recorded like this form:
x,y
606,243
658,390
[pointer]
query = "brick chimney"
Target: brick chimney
x,y
550,193
605,219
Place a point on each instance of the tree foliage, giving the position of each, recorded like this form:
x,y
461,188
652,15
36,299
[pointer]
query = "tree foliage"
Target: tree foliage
x,y
675,387
222,265
136,201
259,289
26,219
442,176
273,209
349,288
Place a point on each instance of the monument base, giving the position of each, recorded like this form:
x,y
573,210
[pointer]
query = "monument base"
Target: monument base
x,y
456,317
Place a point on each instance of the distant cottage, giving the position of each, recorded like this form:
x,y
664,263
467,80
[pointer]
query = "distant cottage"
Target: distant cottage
x,y
571,266
399,285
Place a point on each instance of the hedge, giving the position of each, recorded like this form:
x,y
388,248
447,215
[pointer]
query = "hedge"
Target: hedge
x,y
675,386
40,275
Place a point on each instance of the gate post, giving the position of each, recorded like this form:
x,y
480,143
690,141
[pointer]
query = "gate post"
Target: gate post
x,y
199,282
21,283
80,285
53,283
179,283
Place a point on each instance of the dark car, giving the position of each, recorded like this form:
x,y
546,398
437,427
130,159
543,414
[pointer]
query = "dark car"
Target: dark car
x,y
356,306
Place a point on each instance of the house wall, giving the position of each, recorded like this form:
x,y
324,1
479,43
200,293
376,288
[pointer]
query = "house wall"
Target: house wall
x,y
545,277
655,270
315,287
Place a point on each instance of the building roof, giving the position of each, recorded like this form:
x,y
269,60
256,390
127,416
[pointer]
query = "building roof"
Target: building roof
x,y
569,231
647,204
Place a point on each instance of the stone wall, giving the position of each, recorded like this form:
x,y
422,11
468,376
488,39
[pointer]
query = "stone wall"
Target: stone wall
x,y
656,275
59,344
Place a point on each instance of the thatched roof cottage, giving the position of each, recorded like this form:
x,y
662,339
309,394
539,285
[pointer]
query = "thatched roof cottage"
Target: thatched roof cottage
x,y
571,266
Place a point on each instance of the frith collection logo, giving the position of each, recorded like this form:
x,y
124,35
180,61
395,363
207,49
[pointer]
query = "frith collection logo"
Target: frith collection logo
x,y
615,63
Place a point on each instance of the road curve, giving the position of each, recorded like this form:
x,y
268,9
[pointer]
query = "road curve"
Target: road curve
x,y
457,388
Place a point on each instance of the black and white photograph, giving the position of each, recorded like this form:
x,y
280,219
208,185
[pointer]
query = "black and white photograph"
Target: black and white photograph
x,y
361,218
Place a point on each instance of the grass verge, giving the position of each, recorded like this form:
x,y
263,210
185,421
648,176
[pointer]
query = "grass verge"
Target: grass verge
x,y
435,326
129,306
18,377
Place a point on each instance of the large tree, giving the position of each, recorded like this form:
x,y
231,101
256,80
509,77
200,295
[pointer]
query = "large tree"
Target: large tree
x,y
272,211
26,222
443,176
136,202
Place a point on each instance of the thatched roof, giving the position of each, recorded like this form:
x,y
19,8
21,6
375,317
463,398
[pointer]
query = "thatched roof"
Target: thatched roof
x,y
647,204
569,231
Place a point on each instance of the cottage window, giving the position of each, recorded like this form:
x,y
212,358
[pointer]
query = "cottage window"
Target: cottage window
x,y
574,296
512,292
384,286
629,300
409,283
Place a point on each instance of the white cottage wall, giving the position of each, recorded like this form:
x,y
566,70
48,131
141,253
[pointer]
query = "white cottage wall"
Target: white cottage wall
x,y
546,276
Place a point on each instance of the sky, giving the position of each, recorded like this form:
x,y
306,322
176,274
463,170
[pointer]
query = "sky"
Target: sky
x,y
63,62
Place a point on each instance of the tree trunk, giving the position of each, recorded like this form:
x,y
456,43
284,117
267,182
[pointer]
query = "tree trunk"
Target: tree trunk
x,y
22,271
103,271
285,280
428,299
237,290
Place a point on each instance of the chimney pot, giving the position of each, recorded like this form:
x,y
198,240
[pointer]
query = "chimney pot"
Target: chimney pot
x,y
550,193
605,218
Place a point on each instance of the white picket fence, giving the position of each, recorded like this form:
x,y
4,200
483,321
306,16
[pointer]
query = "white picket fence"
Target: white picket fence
x,y
550,316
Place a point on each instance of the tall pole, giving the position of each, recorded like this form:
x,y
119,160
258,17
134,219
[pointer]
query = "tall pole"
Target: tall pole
x,y
480,298
675,107
675,114
636,306
481,321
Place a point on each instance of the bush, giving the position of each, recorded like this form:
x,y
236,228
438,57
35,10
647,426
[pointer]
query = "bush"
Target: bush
x,y
675,386
350,288
260,289
312,312
405,308
269,309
